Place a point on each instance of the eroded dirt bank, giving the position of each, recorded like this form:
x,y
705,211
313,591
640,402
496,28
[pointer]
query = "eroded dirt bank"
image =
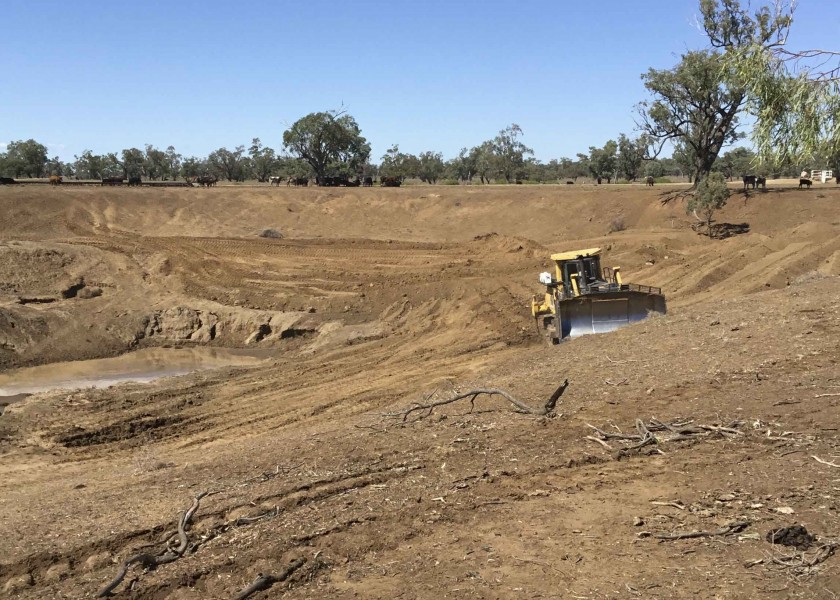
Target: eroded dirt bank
x,y
374,300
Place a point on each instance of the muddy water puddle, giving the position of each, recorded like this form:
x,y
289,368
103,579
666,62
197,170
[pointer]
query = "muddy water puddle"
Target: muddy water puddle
x,y
141,366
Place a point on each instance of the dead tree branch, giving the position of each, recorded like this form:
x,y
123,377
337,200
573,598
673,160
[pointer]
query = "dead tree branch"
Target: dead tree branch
x,y
825,462
734,527
802,562
263,582
655,432
471,395
599,441
149,560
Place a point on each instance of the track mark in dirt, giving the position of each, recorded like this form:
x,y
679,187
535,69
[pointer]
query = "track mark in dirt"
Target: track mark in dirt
x,y
146,425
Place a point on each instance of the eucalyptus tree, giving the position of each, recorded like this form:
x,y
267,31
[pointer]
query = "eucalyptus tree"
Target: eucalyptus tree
x,y
793,94
329,141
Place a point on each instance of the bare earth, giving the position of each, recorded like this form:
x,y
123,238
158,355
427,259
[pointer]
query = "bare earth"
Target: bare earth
x,y
376,299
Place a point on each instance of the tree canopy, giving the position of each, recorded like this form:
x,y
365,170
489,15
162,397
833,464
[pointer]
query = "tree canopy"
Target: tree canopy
x,y
792,94
331,142
509,152
602,161
694,106
24,159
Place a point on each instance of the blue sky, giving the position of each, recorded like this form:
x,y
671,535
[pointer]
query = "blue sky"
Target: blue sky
x,y
437,75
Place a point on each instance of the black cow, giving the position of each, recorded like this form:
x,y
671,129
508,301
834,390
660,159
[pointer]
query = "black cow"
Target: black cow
x,y
7,181
749,181
368,181
112,180
805,182
298,181
570,182
762,182
649,180
336,181
390,181
206,180
135,181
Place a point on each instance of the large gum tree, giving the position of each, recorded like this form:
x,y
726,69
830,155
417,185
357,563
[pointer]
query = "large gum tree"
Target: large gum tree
x,y
793,94
331,142
696,103
692,106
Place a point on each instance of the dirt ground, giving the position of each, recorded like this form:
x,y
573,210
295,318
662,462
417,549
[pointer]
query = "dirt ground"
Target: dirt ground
x,y
375,299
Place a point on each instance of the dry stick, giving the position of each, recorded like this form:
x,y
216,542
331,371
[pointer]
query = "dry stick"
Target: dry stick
x,y
621,362
825,395
147,560
263,582
249,520
473,394
602,442
798,561
735,527
150,561
824,462
718,429
674,503
613,436
552,400
682,429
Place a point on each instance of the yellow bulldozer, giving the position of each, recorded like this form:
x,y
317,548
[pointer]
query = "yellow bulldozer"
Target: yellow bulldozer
x,y
581,298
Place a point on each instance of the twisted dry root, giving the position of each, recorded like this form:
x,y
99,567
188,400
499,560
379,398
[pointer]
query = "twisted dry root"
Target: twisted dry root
x,y
150,561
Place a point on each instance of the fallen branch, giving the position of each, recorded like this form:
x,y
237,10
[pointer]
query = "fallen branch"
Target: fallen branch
x,y
263,582
616,383
149,560
825,462
646,433
621,362
802,562
607,435
734,527
471,395
673,503
600,441
251,520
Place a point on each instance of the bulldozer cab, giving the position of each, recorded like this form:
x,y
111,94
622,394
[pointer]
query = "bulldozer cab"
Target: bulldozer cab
x,y
578,271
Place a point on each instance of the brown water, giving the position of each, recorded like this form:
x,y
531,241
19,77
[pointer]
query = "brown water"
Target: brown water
x,y
141,366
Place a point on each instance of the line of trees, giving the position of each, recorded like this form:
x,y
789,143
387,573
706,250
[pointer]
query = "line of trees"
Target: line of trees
x,y
329,144
503,159
693,112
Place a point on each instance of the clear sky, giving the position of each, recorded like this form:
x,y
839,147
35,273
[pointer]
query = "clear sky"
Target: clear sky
x,y
434,75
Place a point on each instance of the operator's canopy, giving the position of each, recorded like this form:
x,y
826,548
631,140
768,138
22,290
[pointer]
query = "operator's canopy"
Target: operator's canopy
x,y
572,255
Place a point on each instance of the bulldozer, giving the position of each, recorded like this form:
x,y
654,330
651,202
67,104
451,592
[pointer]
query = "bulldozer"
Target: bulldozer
x,y
581,298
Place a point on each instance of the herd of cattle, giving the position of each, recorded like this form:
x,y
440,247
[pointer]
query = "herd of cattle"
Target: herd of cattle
x,y
750,181
754,182
339,181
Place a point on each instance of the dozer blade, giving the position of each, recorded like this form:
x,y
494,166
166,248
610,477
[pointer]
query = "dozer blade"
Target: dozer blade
x,y
602,313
